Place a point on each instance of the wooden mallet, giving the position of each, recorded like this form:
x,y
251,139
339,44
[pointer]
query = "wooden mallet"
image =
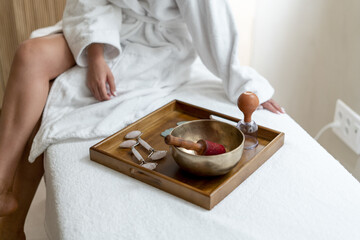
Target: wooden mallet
x,y
201,147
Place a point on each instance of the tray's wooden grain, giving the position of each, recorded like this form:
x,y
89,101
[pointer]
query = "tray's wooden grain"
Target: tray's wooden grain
x,y
203,191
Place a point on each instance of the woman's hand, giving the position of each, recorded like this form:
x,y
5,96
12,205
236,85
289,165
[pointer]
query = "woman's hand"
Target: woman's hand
x,y
272,106
99,75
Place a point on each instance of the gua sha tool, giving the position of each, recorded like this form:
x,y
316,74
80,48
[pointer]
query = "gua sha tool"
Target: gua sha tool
x,y
168,131
154,154
132,144
247,103
201,147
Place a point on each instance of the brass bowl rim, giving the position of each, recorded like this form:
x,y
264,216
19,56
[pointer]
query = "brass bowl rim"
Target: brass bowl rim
x,y
210,156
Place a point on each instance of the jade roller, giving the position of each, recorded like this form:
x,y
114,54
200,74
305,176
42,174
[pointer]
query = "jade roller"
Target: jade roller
x,y
247,103
131,144
154,154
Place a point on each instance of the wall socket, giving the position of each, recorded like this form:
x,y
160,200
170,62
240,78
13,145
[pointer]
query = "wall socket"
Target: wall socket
x,y
349,129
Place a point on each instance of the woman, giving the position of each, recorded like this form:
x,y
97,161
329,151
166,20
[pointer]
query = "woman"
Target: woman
x,y
96,32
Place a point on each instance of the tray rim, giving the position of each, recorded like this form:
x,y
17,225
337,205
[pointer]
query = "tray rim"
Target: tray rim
x,y
279,135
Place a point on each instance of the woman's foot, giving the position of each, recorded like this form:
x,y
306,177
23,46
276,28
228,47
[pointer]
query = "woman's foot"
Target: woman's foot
x,y
7,233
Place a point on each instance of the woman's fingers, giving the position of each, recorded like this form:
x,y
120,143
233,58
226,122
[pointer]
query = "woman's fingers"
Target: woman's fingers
x,y
96,94
100,81
273,106
277,106
267,105
99,91
111,82
102,91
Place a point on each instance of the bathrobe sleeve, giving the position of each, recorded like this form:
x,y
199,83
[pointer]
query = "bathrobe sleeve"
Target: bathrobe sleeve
x,y
215,38
92,21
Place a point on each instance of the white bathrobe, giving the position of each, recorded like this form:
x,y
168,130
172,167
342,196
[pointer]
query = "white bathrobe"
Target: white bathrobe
x,y
150,46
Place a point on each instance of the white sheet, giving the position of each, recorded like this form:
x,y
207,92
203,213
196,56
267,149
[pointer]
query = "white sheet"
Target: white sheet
x,y
302,192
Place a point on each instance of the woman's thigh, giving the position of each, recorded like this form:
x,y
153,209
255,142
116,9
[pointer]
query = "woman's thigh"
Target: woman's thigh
x,y
50,55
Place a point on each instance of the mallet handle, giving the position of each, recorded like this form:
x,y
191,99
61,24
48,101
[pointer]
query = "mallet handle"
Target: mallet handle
x,y
179,142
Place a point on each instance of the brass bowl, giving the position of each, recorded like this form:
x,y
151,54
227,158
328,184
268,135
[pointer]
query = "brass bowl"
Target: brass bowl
x,y
219,132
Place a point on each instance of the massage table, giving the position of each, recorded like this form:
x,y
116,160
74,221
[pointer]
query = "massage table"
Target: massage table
x,y
301,192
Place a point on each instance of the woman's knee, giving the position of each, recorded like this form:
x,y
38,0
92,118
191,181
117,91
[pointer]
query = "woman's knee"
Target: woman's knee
x,y
29,52
45,55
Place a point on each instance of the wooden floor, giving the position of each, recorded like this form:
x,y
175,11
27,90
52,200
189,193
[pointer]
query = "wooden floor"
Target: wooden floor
x,y
34,225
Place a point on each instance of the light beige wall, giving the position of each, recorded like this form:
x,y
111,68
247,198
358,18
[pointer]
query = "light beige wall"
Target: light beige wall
x,y
244,14
310,51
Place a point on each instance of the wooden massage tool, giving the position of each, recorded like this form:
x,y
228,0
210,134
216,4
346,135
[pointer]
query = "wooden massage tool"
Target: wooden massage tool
x,y
201,147
248,103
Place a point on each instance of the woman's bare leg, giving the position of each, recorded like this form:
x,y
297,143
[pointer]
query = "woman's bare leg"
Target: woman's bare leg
x,y
26,182
36,62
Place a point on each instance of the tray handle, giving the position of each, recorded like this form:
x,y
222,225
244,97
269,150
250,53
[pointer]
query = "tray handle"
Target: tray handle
x,y
144,177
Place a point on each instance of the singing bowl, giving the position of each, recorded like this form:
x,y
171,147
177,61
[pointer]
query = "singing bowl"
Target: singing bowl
x,y
219,132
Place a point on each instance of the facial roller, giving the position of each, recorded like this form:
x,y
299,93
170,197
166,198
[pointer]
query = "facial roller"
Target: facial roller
x,y
154,154
132,144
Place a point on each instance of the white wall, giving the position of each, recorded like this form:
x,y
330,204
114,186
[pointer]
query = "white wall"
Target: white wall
x,y
244,14
310,52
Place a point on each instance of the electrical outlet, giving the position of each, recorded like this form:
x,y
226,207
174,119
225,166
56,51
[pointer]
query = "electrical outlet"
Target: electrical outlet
x,y
349,129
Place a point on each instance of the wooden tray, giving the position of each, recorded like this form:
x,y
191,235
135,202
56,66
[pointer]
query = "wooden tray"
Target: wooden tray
x,y
203,191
